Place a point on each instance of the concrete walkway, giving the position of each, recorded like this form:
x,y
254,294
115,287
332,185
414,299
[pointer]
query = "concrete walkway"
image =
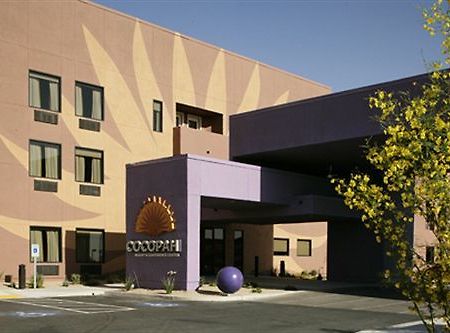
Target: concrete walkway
x,y
51,291
264,287
205,294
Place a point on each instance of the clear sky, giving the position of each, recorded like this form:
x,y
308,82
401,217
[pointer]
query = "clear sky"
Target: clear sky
x,y
344,44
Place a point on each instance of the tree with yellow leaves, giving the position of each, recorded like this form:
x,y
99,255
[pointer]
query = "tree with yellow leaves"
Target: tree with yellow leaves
x,y
414,164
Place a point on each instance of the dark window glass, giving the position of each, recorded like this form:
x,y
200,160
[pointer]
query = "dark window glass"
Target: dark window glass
x,y
238,260
157,116
429,255
90,246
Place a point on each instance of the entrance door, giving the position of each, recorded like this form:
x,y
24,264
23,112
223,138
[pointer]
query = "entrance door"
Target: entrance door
x,y
238,260
212,251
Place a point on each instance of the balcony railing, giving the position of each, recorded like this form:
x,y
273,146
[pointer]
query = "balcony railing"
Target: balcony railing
x,y
199,142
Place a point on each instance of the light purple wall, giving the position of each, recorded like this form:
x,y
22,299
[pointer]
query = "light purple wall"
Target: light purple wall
x,y
166,178
184,180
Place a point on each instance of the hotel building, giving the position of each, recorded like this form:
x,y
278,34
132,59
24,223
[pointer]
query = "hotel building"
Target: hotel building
x,y
86,90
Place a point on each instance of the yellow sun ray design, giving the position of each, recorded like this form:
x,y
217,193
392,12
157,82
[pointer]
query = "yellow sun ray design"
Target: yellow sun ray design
x,y
250,101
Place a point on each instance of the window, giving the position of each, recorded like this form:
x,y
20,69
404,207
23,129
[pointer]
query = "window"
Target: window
x,y
44,91
49,241
304,247
179,119
88,165
238,258
194,121
157,116
90,245
45,160
429,254
281,246
88,101
218,233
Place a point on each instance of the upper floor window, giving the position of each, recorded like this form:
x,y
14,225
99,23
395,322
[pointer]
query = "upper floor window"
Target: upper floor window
x,y
157,116
194,121
88,165
88,101
179,119
44,91
45,160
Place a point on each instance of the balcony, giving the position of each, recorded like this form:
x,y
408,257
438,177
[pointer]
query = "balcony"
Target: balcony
x,y
199,142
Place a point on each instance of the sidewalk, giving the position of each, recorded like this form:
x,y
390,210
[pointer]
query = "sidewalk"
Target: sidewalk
x,y
268,286
206,294
51,291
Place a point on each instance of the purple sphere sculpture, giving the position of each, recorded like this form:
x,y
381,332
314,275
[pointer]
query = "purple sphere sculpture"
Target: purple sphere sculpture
x,y
229,279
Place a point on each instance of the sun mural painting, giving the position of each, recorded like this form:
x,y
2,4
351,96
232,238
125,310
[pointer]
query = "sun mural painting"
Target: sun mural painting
x,y
155,217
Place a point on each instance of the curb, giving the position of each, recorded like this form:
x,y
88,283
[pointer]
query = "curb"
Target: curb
x,y
198,297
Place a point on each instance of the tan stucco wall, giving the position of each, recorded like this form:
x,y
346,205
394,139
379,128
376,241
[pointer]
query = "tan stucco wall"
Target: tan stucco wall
x,y
258,241
192,141
317,233
135,62
423,236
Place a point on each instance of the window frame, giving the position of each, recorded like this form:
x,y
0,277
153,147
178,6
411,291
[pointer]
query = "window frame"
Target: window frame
x,y
102,165
42,144
196,118
155,115
281,253
309,241
55,77
182,117
59,229
102,258
94,87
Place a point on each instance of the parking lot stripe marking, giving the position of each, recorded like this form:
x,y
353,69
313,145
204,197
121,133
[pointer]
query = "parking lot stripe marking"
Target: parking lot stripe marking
x,y
379,306
74,306
44,306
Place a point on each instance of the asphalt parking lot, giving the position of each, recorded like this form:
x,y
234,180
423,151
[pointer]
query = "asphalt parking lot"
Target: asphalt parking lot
x,y
308,311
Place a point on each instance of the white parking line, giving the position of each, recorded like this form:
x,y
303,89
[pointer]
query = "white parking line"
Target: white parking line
x,y
73,306
383,306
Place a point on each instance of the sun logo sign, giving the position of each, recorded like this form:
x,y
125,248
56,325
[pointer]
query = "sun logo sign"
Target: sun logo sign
x,y
156,217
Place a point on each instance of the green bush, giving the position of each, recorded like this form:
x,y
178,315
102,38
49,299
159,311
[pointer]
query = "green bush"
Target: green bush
x,y
75,278
129,283
39,281
169,282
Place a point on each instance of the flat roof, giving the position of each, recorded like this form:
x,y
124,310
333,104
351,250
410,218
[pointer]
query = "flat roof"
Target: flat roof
x,y
321,135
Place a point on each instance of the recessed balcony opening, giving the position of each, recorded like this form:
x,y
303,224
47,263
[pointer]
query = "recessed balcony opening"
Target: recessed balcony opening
x,y
197,118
